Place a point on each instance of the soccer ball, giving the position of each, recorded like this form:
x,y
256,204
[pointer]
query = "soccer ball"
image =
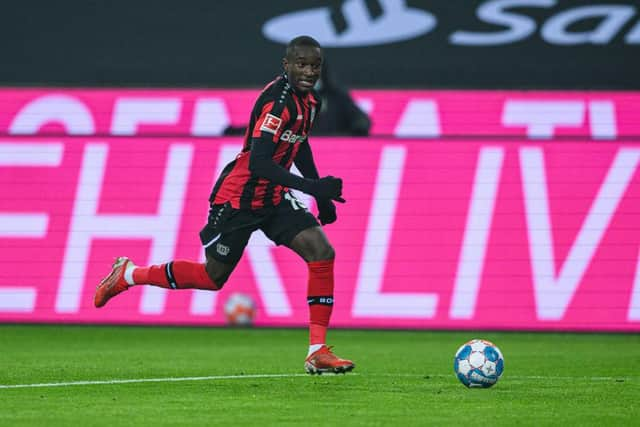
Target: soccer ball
x,y
478,363
240,310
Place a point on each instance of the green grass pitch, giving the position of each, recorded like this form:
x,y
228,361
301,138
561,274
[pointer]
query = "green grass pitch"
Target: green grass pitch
x,y
158,376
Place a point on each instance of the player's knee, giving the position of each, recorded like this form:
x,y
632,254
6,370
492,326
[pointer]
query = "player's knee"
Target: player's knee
x,y
218,276
323,252
312,245
330,252
219,279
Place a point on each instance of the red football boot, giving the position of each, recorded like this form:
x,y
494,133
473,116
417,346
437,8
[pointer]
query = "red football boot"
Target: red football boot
x,y
113,284
323,360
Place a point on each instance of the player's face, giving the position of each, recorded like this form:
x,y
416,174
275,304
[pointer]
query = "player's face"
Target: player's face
x,y
303,67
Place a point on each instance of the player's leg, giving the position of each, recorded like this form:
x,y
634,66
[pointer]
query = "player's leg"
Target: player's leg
x,y
294,227
223,250
177,274
313,246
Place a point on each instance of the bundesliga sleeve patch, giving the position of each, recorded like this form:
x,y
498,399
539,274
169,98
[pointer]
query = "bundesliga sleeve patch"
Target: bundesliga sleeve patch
x,y
271,124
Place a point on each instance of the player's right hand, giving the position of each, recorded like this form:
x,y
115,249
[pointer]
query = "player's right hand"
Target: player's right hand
x,y
328,187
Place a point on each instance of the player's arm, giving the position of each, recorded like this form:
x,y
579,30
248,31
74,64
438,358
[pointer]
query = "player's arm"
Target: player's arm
x,y
304,161
307,166
263,145
261,164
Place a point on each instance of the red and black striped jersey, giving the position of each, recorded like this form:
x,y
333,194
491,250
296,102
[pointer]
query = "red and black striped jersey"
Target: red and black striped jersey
x,y
283,117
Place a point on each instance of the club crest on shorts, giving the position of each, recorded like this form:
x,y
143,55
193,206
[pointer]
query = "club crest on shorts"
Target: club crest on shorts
x,y
271,124
222,249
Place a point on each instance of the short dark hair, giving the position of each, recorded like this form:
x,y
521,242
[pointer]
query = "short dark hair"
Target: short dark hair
x,y
301,41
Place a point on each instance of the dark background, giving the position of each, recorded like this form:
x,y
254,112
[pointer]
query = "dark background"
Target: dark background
x,y
206,43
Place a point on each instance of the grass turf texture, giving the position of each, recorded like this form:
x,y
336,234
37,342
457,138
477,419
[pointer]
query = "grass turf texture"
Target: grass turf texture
x,y
401,378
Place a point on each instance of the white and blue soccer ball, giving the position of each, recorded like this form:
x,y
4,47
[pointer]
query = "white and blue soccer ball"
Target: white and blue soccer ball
x,y
478,363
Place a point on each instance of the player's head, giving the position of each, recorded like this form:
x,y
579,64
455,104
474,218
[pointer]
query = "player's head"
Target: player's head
x,y
303,62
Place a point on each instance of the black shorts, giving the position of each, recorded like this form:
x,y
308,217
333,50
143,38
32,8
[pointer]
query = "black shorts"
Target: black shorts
x,y
228,230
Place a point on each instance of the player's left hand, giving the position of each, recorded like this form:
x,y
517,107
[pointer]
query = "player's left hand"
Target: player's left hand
x,y
326,212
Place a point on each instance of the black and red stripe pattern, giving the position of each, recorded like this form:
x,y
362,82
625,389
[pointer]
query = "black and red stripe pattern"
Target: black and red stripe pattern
x,y
282,116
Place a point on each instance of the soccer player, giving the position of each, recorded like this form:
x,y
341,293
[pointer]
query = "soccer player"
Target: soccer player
x,y
252,193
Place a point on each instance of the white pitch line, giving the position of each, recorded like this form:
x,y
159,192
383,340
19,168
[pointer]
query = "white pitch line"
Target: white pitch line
x,y
150,380
258,376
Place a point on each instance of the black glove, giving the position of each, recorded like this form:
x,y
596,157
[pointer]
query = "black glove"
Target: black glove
x,y
326,212
328,187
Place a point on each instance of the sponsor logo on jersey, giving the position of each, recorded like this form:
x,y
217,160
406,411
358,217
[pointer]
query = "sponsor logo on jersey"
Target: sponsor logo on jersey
x,y
271,124
291,138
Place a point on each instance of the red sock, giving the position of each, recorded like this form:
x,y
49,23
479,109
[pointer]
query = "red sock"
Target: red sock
x,y
320,299
178,274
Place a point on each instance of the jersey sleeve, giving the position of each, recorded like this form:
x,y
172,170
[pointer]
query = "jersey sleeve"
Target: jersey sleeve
x,y
273,119
304,161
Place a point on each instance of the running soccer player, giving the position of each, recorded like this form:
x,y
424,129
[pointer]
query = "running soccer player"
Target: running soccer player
x,y
252,193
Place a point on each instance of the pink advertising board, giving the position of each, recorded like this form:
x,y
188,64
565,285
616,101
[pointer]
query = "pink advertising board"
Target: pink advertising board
x,y
407,114
467,234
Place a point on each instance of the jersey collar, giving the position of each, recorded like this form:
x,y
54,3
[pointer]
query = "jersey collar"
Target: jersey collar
x,y
306,97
